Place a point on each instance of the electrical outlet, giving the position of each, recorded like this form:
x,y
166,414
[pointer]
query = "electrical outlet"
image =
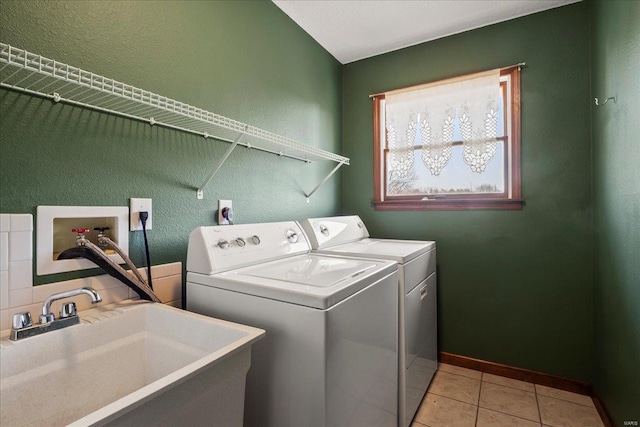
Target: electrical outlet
x,y
225,206
137,206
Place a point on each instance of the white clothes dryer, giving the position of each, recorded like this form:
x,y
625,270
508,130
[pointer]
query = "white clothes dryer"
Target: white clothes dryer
x,y
417,311
329,355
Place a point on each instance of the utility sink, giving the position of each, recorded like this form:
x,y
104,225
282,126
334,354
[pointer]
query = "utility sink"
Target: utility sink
x,y
135,363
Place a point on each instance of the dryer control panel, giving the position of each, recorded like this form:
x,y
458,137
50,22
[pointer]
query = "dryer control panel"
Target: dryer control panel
x,y
331,231
220,248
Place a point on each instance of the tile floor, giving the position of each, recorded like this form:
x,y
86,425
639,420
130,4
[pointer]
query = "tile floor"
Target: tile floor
x,y
463,397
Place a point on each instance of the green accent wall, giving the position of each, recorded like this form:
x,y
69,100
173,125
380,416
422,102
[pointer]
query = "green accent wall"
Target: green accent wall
x,y
554,287
616,206
514,287
244,60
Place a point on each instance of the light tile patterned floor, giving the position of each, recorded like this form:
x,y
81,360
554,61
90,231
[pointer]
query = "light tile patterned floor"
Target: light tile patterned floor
x,y
463,397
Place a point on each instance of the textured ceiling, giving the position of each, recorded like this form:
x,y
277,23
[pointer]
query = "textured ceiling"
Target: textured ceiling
x,y
356,29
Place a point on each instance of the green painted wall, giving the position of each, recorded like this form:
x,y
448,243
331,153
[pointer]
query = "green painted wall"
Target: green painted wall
x,y
616,199
515,287
244,60
519,288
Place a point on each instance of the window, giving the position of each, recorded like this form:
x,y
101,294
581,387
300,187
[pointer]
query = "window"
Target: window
x,y
449,145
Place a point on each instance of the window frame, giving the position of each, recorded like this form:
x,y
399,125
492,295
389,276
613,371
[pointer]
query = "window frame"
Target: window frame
x,y
510,199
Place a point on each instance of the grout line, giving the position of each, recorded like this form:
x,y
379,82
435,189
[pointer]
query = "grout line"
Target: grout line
x,y
451,398
513,388
537,403
478,406
565,400
460,375
511,415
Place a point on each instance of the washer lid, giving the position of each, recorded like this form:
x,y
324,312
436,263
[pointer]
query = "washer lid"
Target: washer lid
x,y
313,280
316,271
401,251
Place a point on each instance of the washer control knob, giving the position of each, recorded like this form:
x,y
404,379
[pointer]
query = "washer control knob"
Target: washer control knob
x,y
223,244
292,236
255,240
240,241
324,230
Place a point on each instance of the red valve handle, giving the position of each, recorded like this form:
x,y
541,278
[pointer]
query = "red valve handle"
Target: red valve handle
x,y
80,230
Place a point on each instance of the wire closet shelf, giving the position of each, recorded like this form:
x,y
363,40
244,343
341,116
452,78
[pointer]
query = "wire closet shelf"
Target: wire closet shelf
x,y
39,76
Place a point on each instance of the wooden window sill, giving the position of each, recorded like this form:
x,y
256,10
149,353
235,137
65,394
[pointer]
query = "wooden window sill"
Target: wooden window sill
x,y
448,205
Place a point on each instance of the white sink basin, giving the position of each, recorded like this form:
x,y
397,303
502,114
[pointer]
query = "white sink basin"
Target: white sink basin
x,y
128,364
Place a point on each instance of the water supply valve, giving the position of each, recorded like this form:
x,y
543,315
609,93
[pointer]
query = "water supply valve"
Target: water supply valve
x,y
103,245
80,239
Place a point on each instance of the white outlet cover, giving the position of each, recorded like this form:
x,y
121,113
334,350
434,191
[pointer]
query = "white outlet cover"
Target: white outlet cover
x,y
137,206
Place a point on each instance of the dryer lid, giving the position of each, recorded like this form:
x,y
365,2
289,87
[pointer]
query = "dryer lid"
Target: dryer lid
x,y
401,251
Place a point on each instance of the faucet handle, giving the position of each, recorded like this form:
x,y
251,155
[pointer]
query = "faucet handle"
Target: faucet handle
x,y
68,310
80,230
21,321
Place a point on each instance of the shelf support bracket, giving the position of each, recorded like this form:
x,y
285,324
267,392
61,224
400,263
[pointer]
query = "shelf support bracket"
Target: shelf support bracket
x,y
326,178
200,192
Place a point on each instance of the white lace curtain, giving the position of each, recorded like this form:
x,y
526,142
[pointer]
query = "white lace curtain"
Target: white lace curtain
x,y
467,108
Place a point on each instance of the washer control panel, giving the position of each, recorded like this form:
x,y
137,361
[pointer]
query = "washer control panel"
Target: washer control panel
x,y
219,248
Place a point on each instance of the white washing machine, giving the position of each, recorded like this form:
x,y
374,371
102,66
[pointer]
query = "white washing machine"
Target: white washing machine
x,y
417,312
329,355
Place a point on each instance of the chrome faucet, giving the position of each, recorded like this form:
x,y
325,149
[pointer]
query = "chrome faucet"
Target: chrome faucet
x,y
23,327
48,317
